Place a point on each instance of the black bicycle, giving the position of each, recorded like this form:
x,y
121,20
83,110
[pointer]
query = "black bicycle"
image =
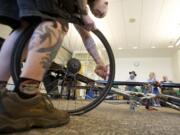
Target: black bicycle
x,y
78,89
145,98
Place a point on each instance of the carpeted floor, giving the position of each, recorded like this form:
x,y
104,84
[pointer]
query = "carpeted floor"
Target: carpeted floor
x,y
109,119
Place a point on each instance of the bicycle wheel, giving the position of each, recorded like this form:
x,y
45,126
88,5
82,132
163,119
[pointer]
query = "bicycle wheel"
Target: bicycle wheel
x,y
73,85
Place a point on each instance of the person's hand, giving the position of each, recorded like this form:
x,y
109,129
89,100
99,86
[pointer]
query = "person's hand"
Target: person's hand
x,y
88,22
102,71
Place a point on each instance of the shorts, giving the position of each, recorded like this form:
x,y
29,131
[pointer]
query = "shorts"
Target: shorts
x,y
12,11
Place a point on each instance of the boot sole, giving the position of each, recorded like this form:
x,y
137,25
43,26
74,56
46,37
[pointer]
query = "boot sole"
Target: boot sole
x,y
10,125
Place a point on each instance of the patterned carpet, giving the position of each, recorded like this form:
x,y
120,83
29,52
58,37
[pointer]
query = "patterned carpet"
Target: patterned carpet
x,y
109,119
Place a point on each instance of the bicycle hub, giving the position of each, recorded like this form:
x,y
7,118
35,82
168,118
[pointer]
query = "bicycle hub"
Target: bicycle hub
x,y
74,65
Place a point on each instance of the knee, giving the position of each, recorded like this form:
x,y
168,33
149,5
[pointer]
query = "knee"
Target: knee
x,y
48,33
51,27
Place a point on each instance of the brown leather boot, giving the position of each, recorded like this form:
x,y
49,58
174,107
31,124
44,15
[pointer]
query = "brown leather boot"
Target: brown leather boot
x,y
17,114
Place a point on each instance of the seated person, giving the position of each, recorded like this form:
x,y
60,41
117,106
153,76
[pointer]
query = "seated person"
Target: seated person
x,y
167,90
153,88
132,78
165,80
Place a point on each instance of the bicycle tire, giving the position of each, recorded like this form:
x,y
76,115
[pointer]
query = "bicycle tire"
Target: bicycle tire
x,y
17,52
16,66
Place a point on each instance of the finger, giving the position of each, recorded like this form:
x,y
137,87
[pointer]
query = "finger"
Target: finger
x,y
90,26
86,27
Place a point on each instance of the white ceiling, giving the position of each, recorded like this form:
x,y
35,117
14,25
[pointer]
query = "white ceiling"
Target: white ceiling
x,y
157,23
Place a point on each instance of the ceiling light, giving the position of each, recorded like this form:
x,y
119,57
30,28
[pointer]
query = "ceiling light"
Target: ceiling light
x,y
170,46
178,42
132,20
120,48
135,47
153,47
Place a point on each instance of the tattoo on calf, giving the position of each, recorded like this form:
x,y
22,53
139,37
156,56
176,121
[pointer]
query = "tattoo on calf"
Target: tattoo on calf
x,y
46,61
44,33
51,53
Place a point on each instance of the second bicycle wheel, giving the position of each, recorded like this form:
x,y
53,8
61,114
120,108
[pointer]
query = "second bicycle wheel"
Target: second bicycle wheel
x,y
71,81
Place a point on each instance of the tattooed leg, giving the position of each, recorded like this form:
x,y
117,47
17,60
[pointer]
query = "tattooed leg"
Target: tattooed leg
x,y
42,49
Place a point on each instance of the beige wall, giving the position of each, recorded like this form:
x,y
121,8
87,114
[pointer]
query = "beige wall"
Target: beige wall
x,y
176,65
143,66
4,31
63,56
